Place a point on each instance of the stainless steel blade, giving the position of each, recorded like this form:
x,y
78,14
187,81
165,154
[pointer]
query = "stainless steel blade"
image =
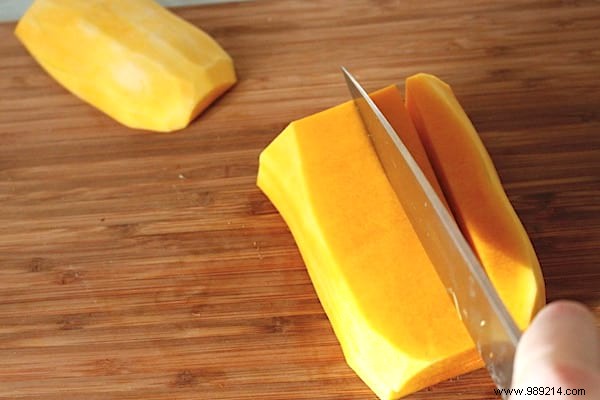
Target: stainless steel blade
x,y
476,301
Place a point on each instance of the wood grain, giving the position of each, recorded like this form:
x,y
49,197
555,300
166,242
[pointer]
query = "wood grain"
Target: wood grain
x,y
148,266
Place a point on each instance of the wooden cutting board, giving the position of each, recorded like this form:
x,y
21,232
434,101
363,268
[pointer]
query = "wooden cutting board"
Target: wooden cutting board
x,y
136,265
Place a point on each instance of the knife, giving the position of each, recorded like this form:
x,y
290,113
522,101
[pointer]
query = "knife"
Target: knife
x,y
478,305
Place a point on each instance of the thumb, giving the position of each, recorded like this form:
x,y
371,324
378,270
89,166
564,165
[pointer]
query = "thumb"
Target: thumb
x,y
561,349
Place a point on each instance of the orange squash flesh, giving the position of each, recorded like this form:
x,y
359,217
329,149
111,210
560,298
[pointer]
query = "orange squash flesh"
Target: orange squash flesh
x,y
396,324
133,59
473,189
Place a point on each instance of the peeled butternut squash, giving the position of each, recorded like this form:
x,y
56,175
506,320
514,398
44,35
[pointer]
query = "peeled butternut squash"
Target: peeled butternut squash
x,y
133,59
396,324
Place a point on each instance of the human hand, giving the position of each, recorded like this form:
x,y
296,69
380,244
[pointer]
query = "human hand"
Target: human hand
x,y
560,349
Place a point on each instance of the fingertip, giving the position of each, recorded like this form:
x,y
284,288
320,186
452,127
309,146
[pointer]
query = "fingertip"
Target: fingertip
x,y
560,310
564,332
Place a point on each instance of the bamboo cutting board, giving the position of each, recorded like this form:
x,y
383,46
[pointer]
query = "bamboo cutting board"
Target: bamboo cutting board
x,y
136,265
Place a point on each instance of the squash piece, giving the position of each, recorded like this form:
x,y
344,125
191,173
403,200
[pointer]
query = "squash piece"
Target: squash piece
x,y
133,60
396,324
473,189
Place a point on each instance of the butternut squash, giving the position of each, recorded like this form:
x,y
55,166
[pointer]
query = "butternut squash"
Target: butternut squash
x,y
133,60
396,324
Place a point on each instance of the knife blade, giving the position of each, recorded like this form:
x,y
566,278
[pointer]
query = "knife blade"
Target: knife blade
x,y
476,301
